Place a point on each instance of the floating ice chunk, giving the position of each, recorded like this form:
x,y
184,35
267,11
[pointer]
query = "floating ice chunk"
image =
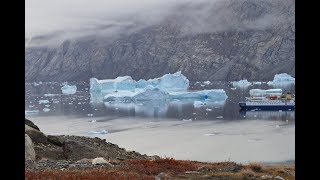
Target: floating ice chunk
x,y
45,109
208,109
47,105
233,88
93,121
43,101
219,117
197,104
187,120
257,83
111,85
49,95
212,94
99,132
268,92
90,115
282,80
31,112
243,84
206,82
210,134
67,89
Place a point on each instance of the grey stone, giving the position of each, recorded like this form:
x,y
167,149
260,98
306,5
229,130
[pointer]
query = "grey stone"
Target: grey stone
x,y
35,135
29,149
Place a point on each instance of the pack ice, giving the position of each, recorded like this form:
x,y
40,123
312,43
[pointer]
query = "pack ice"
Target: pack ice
x,y
169,86
67,89
282,80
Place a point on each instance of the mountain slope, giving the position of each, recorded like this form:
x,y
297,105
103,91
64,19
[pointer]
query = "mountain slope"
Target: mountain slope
x,y
229,41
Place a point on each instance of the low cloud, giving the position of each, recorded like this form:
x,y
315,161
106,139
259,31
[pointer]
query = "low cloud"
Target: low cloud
x,y
50,22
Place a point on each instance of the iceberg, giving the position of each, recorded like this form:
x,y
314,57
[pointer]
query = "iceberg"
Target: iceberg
x,y
171,82
67,89
155,93
242,84
282,80
112,85
212,94
268,92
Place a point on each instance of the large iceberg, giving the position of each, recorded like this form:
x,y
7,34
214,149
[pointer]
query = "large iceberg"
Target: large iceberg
x,y
171,82
242,84
169,86
155,93
282,80
67,89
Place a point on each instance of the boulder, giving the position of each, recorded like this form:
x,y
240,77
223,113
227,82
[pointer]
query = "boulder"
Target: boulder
x,y
35,135
56,140
101,160
29,149
31,124
75,150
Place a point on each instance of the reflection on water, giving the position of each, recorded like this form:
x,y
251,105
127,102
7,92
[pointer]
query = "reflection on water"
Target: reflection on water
x,y
79,104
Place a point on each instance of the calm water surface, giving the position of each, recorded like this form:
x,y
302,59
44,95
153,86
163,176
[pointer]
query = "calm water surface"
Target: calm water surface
x,y
46,99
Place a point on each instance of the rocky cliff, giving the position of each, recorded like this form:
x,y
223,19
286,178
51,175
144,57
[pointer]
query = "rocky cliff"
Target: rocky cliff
x,y
230,40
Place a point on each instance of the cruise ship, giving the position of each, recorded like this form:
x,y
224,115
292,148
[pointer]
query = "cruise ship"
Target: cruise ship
x,y
271,99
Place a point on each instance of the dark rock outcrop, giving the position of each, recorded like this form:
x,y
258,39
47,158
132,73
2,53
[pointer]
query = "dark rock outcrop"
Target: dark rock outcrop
x,y
36,136
240,39
31,124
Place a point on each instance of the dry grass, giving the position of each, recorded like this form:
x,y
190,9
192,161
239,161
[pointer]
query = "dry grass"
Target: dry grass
x,y
176,169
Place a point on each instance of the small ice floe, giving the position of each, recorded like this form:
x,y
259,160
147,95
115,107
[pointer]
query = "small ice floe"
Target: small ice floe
x,y
277,126
31,112
49,95
202,85
99,132
257,83
55,102
242,84
208,109
70,103
187,120
198,104
45,109
254,140
206,82
219,117
90,115
43,101
194,113
93,121
30,106
47,105
67,89
210,134
233,88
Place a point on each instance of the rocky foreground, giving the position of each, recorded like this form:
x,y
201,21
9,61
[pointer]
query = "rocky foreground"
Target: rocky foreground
x,y
77,157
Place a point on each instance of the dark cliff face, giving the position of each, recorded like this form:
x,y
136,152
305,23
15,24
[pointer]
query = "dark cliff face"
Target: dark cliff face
x,y
214,52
